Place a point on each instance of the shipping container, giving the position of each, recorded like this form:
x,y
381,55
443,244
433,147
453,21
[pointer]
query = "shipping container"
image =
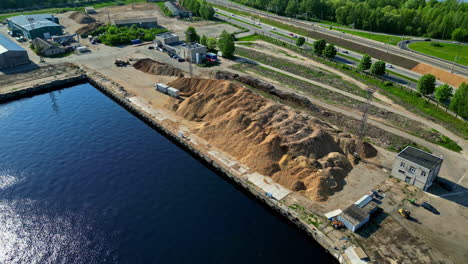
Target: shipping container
x,y
161,87
173,92
135,41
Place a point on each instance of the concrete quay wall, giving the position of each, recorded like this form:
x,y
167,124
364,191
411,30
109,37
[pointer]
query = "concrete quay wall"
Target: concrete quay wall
x,y
119,95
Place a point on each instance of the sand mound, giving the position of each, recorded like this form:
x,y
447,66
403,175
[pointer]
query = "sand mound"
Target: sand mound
x,y
157,68
445,76
85,30
296,150
82,18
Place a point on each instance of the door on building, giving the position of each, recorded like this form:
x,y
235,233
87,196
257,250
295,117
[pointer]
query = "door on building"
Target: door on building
x,y
47,35
408,180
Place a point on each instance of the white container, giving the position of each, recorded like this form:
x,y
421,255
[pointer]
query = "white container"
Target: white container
x,y
82,49
161,87
173,92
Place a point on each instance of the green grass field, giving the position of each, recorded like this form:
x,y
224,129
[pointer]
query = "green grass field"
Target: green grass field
x,y
446,51
392,40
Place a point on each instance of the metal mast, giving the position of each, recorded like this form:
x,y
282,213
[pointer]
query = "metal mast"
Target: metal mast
x,y
365,112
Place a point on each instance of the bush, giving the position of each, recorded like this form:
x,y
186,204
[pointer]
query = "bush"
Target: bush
x,y
114,36
388,83
436,44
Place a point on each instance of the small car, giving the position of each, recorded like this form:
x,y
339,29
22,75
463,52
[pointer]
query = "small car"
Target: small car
x,y
345,52
151,47
389,65
428,39
258,23
291,34
273,28
181,60
430,208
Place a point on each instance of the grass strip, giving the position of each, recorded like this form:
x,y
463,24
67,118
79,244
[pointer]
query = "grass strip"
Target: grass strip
x,y
389,39
446,51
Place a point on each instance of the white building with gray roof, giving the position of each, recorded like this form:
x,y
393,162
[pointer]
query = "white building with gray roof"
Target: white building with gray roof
x,y
11,54
416,167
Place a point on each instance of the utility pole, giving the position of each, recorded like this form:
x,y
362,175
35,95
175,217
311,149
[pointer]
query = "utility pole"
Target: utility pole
x,y
365,112
108,15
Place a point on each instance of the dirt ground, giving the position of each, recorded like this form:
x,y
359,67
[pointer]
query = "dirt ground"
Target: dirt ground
x,y
447,77
140,10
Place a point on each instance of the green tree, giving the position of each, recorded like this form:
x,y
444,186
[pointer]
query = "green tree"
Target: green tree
x,y
191,35
426,84
443,93
300,41
459,102
319,46
204,40
330,51
211,44
460,34
365,63
226,44
206,10
378,68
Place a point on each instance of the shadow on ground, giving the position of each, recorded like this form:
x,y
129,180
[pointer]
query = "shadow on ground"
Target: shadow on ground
x,y
20,69
450,191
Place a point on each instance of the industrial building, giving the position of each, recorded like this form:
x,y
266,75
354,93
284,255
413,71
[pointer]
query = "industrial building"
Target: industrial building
x,y
416,167
11,54
171,43
150,22
359,213
46,47
177,10
35,26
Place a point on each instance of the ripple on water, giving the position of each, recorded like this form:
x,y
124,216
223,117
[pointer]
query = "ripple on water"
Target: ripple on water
x,y
30,235
8,180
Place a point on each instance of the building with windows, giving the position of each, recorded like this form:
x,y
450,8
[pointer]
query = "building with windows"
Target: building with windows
x,y
11,54
47,48
171,43
35,26
359,213
416,167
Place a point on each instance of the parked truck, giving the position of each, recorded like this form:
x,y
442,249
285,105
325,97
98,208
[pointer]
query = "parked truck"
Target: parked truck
x,y
173,92
161,87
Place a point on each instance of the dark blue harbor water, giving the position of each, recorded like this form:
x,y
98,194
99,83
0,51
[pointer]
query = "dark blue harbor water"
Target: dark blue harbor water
x,y
84,181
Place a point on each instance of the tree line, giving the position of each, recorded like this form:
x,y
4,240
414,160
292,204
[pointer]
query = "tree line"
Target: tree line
x,y
225,42
199,8
13,4
436,19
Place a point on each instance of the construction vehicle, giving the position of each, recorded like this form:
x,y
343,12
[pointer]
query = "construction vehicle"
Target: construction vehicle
x,y
121,63
405,213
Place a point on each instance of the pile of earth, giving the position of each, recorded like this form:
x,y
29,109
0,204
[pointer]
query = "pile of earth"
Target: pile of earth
x,y
157,68
297,150
81,18
85,30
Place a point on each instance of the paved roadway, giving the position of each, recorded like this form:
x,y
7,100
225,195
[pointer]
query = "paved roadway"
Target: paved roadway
x,y
360,40
260,28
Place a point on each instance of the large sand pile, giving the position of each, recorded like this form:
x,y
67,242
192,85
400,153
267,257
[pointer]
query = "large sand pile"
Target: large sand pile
x,y
157,68
298,151
81,18
85,30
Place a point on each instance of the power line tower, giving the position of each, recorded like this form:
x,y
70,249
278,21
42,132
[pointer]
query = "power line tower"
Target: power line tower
x,y
365,111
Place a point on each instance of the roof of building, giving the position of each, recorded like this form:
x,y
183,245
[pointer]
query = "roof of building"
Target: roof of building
x,y
370,207
136,20
354,214
166,35
41,20
7,44
363,201
173,8
420,157
360,253
333,213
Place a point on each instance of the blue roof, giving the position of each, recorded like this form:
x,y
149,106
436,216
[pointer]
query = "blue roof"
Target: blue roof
x,y
7,44
41,20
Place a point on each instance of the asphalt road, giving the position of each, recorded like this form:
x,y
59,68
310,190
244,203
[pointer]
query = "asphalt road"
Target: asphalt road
x,y
283,35
363,41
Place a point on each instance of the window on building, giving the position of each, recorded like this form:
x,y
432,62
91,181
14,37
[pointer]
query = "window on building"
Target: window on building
x,y
412,170
423,174
402,165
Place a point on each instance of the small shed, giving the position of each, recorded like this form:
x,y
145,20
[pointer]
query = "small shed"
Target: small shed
x,y
363,201
354,217
332,214
90,10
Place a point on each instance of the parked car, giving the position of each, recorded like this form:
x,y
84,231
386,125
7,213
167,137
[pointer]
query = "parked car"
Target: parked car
x,y
181,60
151,47
258,23
428,39
389,65
430,208
291,34
273,28
345,51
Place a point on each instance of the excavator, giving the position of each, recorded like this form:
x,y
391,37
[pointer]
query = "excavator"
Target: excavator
x,y
405,213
